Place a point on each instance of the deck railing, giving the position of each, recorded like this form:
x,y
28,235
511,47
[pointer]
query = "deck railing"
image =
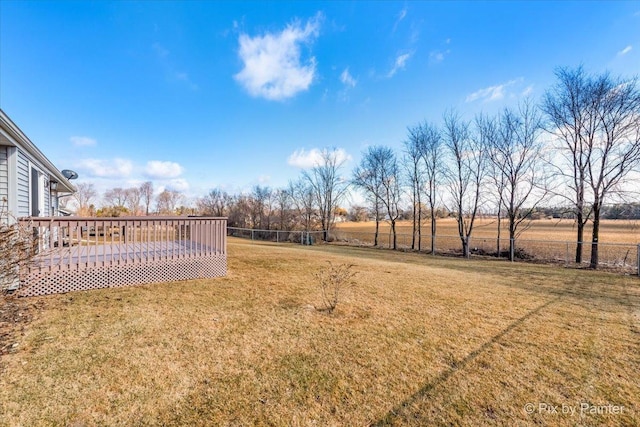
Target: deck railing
x,y
114,245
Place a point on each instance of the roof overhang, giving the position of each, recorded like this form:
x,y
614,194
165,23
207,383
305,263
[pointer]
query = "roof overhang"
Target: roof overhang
x,y
14,136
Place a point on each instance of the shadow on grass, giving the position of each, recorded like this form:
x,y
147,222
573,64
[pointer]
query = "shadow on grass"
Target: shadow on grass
x,y
402,412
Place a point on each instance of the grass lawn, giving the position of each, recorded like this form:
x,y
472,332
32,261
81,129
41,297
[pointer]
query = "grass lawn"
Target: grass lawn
x,y
417,340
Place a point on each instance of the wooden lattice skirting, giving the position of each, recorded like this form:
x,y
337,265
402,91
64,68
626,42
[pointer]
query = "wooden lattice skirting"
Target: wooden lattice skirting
x,y
44,282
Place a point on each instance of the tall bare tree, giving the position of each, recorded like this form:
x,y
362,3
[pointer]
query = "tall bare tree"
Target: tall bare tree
x,y
215,203
168,201
303,199
390,184
596,119
367,177
117,197
466,173
378,174
433,158
413,165
146,191
282,200
515,151
329,187
262,202
84,195
134,199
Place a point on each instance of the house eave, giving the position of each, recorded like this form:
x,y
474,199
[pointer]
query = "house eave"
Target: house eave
x,y
16,137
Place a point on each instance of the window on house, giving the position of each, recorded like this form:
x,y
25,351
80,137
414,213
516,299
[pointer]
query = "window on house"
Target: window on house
x,y
37,193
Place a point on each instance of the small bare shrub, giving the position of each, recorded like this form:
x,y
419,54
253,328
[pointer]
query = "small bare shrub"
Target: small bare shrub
x,y
332,281
18,246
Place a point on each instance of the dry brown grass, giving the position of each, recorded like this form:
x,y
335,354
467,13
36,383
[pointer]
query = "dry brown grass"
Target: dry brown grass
x,y
418,341
611,231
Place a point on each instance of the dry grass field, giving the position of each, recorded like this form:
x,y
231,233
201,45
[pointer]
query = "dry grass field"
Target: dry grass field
x,y
611,231
547,240
415,341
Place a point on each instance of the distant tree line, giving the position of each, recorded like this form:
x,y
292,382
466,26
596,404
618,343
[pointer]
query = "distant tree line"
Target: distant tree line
x,y
574,155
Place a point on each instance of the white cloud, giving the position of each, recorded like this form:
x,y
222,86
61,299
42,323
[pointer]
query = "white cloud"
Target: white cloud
x,y
401,61
527,91
162,170
307,159
114,168
401,16
347,79
179,184
625,50
492,93
83,141
436,56
273,67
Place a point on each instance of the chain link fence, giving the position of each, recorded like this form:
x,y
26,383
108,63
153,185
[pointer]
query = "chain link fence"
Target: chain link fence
x,y
619,256
302,237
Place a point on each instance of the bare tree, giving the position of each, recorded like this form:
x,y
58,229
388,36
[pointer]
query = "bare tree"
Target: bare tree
x,y
433,157
84,195
412,161
466,173
366,176
282,201
117,197
515,152
329,187
262,201
358,213
133,200
379,176
146,192
167,202
390,196
566,106
303,198
215,203
239,211
597,121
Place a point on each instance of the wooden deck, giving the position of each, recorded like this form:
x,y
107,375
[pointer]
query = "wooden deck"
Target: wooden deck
x,y
89,253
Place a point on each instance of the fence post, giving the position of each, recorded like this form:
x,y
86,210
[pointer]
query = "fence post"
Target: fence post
x,y
638,261
277,236
252,234
566,259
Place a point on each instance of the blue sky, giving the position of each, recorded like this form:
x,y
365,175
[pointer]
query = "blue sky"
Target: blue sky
x,y
196,95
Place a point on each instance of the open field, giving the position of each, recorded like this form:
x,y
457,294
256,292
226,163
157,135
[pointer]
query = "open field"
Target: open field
x,y
417,340
548,241
611,231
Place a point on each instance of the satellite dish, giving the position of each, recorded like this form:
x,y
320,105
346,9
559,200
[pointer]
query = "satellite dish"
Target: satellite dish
x,y
69,174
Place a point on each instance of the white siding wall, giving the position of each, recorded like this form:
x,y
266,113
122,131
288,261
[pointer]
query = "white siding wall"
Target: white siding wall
x,y
24,175
47,196
4,180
